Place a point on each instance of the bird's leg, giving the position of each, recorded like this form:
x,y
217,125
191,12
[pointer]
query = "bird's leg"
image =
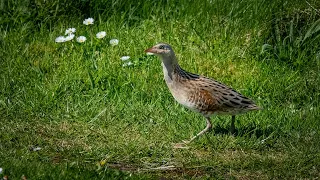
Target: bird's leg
x,y
184,143
232,127
208,127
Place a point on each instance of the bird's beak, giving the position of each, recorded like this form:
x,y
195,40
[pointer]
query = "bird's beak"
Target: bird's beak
x,y
151,50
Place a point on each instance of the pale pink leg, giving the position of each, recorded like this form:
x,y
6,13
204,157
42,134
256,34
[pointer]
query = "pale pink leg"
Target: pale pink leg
x,y
208,127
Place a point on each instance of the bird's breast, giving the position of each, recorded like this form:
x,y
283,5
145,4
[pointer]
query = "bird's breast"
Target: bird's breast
x,y
182,95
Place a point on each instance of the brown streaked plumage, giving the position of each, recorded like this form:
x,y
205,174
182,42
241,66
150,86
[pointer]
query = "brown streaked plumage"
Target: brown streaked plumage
x,y
198,93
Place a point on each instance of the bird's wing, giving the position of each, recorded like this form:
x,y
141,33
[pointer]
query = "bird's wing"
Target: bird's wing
x,y
225,97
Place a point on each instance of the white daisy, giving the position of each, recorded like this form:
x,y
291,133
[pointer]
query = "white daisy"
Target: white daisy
x,y
69,37
129,63
124,58
81,39
37,149
101,34
149,53
114,42
60,39
70,31
88,21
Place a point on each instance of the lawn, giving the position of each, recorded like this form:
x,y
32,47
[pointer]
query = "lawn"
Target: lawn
x,y
74,110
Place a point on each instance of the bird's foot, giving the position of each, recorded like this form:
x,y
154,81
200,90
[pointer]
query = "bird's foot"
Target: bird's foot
x,y
186,141
182,145
232,132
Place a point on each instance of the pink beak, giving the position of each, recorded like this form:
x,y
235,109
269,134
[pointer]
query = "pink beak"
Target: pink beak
x,y
151,50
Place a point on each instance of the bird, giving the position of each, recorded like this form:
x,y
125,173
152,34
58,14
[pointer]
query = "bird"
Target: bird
x,y
199,93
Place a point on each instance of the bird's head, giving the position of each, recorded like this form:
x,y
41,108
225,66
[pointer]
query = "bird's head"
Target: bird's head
x,y
162,50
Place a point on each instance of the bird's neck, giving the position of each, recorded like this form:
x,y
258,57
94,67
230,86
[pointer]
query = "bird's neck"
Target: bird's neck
x,y
169,64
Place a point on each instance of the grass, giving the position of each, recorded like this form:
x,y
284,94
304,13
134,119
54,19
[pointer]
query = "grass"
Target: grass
x,y
93,118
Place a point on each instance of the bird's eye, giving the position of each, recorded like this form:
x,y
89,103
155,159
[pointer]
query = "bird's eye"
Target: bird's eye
x,y
161,47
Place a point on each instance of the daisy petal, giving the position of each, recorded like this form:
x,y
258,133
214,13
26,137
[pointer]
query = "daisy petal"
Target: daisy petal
x,y
88,21
60,39
124,58
81,39
114,42
101,34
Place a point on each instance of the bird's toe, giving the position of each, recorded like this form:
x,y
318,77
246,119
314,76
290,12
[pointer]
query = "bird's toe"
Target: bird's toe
x,y
180,146
185,142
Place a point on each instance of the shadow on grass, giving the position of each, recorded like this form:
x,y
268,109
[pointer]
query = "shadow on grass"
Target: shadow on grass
x,y
171,172
245,131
